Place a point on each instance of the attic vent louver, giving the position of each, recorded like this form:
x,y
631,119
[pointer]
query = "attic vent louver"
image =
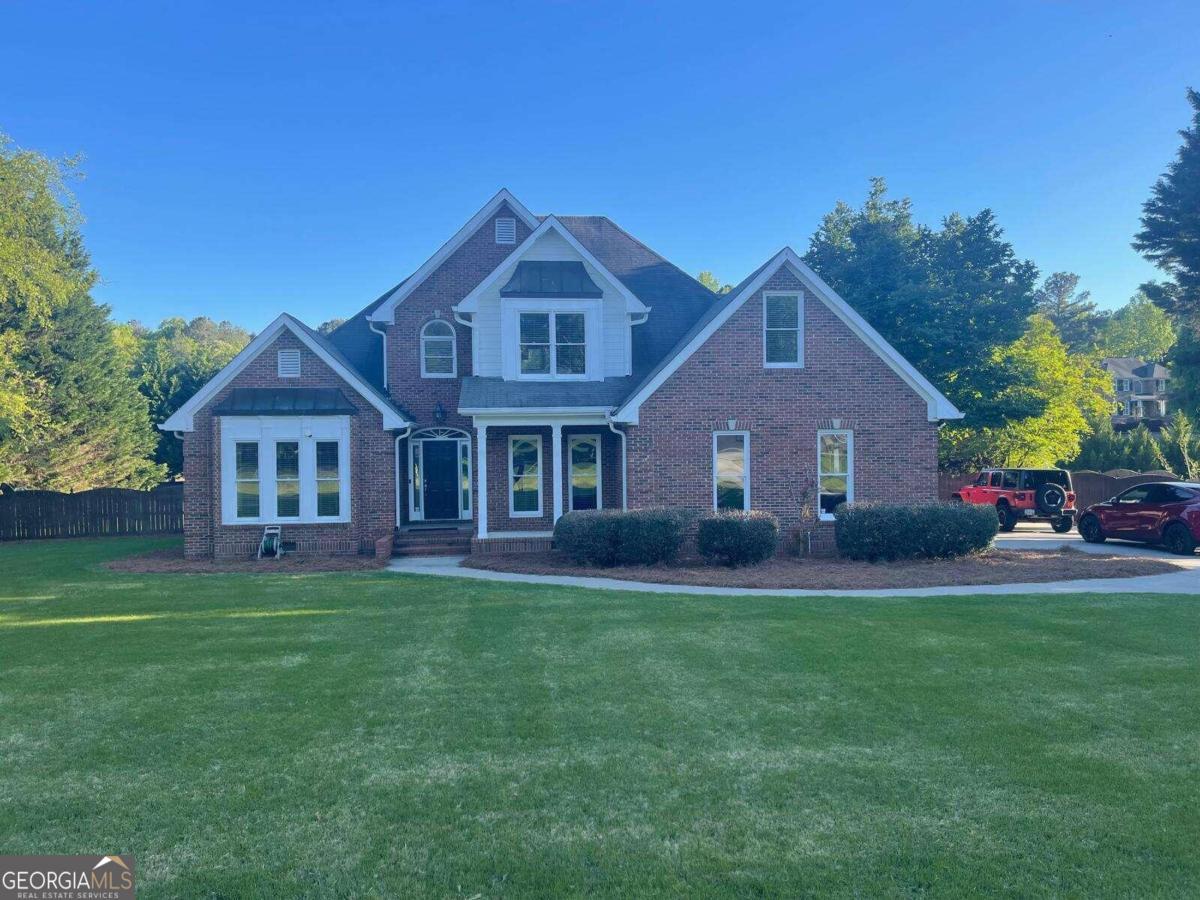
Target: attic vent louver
x,y
506,231
289,364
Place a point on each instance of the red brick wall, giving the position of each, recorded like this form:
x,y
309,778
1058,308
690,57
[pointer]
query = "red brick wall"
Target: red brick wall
x,y
372,499
895,446
477,258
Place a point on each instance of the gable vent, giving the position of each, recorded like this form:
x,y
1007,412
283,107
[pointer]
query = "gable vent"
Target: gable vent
x,y
506,231
289,364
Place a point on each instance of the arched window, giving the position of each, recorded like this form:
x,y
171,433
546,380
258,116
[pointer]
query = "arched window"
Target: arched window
x,y
439,357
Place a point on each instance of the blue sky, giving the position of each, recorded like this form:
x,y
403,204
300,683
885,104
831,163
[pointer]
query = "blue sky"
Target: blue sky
x,y
247,159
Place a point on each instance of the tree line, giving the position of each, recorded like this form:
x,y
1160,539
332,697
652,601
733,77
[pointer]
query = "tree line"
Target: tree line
x,y
80,394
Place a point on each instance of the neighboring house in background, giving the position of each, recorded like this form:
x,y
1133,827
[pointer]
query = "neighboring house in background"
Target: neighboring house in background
x,y
1141,392
540,364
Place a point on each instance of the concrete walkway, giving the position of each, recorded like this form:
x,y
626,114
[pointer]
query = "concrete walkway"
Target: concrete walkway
x,y
1184,581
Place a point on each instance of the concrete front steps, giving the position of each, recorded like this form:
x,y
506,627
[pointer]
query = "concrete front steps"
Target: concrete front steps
x,y
432,540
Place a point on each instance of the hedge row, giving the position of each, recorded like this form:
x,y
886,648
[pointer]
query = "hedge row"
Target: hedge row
x,y
643,537
640,537
890,531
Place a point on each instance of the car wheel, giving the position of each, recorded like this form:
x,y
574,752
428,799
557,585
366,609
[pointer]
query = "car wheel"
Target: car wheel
x,y
1061,525
1090,530
956,500
1179,540
1008,518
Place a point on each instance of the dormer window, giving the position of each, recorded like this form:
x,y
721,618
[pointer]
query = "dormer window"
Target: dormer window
x,y
553,343
506,231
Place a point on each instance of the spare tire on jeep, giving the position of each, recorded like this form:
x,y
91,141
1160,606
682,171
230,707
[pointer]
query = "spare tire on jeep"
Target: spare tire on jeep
x,y
1051,499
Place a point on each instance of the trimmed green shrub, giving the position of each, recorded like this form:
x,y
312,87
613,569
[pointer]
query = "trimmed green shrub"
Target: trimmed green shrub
x,y
738,538
640,537
891,531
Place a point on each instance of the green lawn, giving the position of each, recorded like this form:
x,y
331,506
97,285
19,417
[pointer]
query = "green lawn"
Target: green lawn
x,y
371,734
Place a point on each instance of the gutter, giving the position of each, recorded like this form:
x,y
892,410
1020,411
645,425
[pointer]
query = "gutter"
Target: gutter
x,y
624,463
382,334
399,437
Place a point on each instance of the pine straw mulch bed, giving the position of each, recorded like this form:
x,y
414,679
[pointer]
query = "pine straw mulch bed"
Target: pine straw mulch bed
x,y
990,567
171,560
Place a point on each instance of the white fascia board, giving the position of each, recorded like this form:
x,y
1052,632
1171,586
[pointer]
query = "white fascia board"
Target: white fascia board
x,y
386,310
470,303
938,406
529,416
183,418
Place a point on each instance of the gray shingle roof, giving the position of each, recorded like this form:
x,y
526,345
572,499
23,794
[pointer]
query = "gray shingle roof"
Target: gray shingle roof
x,y
496,393
680,306
285,402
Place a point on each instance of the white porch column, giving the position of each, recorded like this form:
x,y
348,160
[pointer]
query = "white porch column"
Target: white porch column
x,y
481,505
557,480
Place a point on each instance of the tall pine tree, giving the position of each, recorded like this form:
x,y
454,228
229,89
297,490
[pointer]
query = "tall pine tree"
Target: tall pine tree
x,y
1170,238
70,416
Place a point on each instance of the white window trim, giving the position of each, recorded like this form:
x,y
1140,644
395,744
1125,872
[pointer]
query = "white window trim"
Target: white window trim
x,y
828,517
533,514
552,316
465,512
289,354
265,431
453,373
510,338
745,436
584,439
798,363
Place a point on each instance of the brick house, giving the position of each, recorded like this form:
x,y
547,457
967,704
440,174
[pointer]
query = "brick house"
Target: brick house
x,y
540,364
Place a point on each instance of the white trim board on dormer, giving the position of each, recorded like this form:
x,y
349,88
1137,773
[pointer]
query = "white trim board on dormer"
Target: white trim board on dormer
x,y
470,303
938,405
385,312
183,418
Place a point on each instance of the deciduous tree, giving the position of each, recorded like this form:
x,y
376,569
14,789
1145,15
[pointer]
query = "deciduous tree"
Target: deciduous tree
x,y
1139,328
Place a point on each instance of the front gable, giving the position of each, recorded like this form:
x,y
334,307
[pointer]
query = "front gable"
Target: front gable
x,y
739,322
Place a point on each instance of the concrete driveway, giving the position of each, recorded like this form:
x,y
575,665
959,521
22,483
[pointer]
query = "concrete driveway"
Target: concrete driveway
x,y
1039,536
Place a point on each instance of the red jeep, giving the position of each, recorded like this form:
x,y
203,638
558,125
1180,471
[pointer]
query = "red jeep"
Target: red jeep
x,y
1043,495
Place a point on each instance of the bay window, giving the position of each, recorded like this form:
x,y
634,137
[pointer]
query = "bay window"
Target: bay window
x,y
835,470
731,470
285,469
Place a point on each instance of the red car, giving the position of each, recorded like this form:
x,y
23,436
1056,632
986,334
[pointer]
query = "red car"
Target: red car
x,y
1162,512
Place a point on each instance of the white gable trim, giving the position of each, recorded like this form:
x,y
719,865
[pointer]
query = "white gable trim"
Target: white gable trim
x,y
470,303
386,310
183,418
939,407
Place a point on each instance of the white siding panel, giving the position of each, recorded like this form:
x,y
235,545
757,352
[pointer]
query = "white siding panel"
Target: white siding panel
x,y
487,337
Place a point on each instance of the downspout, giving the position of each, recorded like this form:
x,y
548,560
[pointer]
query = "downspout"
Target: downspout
x,y
624,463
382,334
401,435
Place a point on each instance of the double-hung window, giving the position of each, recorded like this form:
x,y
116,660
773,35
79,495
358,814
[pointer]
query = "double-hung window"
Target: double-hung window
x,y
835,470
783,330
731,470
246,479
553,343
285,469
525,476
438,357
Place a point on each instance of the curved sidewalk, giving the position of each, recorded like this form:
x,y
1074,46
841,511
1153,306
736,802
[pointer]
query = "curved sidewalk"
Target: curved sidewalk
x,y
1185,581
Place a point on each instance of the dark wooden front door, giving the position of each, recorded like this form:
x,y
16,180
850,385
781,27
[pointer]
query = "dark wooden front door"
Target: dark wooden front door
x,y
440,479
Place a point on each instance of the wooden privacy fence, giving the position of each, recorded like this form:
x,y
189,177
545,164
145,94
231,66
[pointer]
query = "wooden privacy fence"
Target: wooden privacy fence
x,y
104,511
1090,487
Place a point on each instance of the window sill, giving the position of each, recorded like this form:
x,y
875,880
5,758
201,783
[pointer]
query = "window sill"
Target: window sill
x,y
525,515
783,365
431,375
325,520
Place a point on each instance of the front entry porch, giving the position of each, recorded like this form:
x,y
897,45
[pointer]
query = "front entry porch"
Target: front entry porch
x,y
531,469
